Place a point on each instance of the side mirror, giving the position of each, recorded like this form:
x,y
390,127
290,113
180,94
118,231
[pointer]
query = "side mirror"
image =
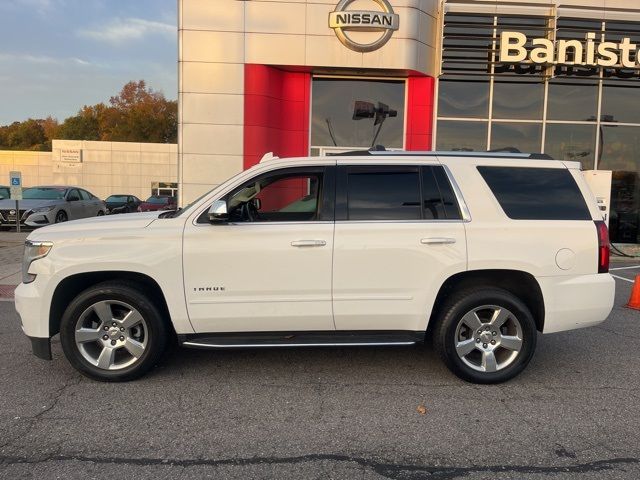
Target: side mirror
x,y
218,212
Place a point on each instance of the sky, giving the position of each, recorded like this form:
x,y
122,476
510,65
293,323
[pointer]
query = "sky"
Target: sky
x,y
58,55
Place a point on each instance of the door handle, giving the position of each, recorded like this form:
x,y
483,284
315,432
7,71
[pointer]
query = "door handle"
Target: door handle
x,y
437,240
308,243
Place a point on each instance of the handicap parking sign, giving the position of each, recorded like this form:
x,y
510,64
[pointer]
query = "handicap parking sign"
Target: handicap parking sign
x,y
15,181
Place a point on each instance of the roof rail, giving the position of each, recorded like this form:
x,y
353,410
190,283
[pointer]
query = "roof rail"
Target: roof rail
x,y
405,153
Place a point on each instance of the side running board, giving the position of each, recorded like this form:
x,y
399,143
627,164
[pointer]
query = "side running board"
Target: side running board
x,y
301,339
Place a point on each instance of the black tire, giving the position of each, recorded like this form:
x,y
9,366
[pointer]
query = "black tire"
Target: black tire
x,y
446,331
61,216
118,291
100,213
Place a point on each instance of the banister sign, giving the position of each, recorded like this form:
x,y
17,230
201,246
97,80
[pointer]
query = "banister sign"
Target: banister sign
x,y
588,52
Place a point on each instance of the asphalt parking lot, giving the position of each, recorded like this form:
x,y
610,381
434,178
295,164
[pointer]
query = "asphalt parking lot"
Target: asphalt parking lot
x,y
338,413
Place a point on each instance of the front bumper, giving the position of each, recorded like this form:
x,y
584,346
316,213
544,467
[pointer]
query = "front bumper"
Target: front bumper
x,y
41,347
38,220
29,301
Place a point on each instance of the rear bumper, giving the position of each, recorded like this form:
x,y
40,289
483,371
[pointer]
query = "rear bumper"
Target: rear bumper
x,y
576,301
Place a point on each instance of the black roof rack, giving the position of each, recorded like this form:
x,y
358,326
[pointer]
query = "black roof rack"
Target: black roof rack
x,y
500,153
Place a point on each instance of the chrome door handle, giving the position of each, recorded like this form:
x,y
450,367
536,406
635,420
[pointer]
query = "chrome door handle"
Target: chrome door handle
x,y
308,243
437,240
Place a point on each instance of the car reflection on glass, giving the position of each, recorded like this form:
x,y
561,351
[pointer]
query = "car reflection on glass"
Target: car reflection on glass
x,y
50,204
122,204
158,202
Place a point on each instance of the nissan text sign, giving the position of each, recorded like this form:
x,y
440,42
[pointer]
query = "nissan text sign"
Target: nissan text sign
x,y
384,21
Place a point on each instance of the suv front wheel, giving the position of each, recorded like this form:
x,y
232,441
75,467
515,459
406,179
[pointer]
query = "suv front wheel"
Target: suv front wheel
x,y
113,332
485,335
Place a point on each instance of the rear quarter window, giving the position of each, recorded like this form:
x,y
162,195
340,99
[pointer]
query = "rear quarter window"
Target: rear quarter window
x,y
536,193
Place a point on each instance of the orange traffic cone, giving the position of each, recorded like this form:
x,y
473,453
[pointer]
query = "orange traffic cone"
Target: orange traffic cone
x,y
634,300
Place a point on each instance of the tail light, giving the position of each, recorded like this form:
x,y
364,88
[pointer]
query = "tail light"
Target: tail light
x,y
603,247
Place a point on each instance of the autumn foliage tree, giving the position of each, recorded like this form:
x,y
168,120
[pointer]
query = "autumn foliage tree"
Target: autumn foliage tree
x,y
136,114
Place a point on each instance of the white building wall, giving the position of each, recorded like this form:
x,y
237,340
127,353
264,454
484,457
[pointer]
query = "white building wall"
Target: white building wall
x,y
211,93
106,167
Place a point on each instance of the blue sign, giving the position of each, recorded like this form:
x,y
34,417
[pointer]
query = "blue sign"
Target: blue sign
x,y
15,181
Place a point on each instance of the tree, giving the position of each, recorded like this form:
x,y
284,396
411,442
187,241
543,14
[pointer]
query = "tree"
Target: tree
x,y
83,126
27,135
140,114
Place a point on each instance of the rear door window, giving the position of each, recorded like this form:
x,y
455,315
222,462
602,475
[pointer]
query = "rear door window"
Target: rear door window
x,y
536,193
439,201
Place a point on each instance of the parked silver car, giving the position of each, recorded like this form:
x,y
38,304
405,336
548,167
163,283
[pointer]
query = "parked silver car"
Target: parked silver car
x,y
45,205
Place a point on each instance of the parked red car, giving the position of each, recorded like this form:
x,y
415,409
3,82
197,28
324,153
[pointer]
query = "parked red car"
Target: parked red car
x,y
158,202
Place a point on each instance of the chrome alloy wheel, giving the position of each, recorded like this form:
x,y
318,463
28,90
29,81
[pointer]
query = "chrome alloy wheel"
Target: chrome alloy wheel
x,y
111,335
488,338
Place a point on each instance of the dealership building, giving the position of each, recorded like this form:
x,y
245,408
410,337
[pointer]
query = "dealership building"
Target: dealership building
x,y
312,77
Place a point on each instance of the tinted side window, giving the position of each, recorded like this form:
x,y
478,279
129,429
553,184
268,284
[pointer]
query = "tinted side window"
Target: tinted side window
x,y
84,195
73,194
536,193
439,200
451,207
383,194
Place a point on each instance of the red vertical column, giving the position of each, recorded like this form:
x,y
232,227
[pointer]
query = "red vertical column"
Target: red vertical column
x,y
276,112
420,102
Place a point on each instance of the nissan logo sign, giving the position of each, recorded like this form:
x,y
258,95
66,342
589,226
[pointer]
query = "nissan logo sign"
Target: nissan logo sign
x,y
384,21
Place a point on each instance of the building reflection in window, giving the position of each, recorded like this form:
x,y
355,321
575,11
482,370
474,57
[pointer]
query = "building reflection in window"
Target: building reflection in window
x,y
576,143
332,122
518,100
526,137
462,136
620,148
465,99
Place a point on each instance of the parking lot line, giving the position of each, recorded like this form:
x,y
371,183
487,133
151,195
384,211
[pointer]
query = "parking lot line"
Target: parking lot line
x,y
625,268
622,278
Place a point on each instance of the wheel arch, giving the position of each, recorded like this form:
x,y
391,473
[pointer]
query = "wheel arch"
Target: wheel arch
x,y
519,283
73,285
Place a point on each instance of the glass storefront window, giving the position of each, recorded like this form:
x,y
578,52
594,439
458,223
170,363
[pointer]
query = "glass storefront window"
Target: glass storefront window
x,y
518,100
572,100
333,103
526,137
575,143
461,136
620,152
468,99
620,102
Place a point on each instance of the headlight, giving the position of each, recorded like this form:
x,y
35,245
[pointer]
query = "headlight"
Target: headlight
x,y
43,209
33,251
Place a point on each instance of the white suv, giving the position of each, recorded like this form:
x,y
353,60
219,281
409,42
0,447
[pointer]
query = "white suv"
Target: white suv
x,y
478,252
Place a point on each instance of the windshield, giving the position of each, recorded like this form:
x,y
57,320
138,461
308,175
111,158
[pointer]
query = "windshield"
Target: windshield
x,y
117,198
158,200
43,193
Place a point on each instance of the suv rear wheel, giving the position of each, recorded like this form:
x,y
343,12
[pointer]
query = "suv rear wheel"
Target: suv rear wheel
x,y
113,332
485,335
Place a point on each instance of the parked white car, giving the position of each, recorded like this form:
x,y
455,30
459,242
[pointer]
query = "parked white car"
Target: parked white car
x,y
478,251
50,204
